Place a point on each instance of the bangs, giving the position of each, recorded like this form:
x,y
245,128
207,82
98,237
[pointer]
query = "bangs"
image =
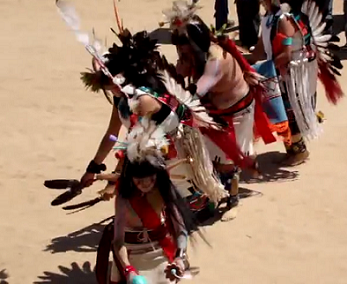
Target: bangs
x,y
142,169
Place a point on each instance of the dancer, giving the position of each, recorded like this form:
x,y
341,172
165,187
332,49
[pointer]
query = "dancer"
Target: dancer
x,y
227,86
152,222
149,91
142,86
299,50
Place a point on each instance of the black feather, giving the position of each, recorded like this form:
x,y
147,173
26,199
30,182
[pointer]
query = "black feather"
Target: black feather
x,y
334,70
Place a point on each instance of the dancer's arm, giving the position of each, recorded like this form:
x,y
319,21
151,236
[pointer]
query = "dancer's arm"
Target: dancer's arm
x,y
258,53
286,28
105,146
179,263
118,242
212,75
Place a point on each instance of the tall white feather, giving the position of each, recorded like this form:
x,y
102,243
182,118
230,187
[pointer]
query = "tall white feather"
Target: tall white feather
x,y
70,17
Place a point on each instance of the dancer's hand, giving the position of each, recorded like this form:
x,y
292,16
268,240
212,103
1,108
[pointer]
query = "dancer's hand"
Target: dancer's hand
x,y
134,278
87,179
130,277
177,265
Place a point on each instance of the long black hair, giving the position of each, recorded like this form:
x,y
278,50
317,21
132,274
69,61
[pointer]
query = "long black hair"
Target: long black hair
x,y
173,201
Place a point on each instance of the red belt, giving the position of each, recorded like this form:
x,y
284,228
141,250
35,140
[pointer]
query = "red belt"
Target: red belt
x,y
240,105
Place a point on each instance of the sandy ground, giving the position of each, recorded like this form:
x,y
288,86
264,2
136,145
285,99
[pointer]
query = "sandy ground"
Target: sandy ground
x,y
294,232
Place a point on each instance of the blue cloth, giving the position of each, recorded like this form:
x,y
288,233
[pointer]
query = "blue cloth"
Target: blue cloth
x,y
273,105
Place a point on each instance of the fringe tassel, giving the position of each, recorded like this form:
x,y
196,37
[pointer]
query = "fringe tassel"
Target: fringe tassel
x,y
202,168
300,98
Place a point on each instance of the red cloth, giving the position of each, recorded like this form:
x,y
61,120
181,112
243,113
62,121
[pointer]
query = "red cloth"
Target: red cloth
x,y
261,121
151,221
226,141
262,124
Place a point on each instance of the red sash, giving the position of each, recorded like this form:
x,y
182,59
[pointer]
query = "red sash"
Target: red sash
x,y
151,221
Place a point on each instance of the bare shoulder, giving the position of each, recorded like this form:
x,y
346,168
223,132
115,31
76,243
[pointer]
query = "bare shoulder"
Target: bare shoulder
x,y
215,52
286,25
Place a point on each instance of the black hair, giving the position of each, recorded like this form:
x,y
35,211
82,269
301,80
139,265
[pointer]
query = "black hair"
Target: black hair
x,y
172,199
199,38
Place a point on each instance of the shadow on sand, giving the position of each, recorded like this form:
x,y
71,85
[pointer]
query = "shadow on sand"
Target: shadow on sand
x,y
218,214
83,240
68,275
271,170
3,277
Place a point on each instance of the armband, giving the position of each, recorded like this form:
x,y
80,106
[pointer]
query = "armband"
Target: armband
x,y
287,41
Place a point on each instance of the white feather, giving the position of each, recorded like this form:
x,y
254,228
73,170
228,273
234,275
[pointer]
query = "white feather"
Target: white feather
x,y
318,30
304,7
198,111
322,38
181,10
145,141
69,15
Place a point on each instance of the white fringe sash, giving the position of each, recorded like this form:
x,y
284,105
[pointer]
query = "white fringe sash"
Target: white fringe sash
x,y
300,82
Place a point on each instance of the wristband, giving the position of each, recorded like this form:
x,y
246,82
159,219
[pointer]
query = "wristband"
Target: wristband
x,y
180,253
113,182
94,168
128,269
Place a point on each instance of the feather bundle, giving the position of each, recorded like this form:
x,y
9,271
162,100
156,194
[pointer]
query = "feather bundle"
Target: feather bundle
x,y
146,141
181,13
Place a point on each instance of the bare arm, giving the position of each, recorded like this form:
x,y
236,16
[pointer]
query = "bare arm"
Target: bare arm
x,y
105,147
180,263
119,231
181,232
106,144
285,27
212,75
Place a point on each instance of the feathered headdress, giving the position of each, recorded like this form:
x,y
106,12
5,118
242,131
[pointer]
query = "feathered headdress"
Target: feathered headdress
x,y
180,14
329,64
135,56
146,142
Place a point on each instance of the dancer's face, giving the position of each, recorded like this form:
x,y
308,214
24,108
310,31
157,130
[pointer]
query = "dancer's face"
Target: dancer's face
x,y
145,184
185,53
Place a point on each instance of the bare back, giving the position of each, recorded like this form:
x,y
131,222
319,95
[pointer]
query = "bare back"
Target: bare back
x,y
229,85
